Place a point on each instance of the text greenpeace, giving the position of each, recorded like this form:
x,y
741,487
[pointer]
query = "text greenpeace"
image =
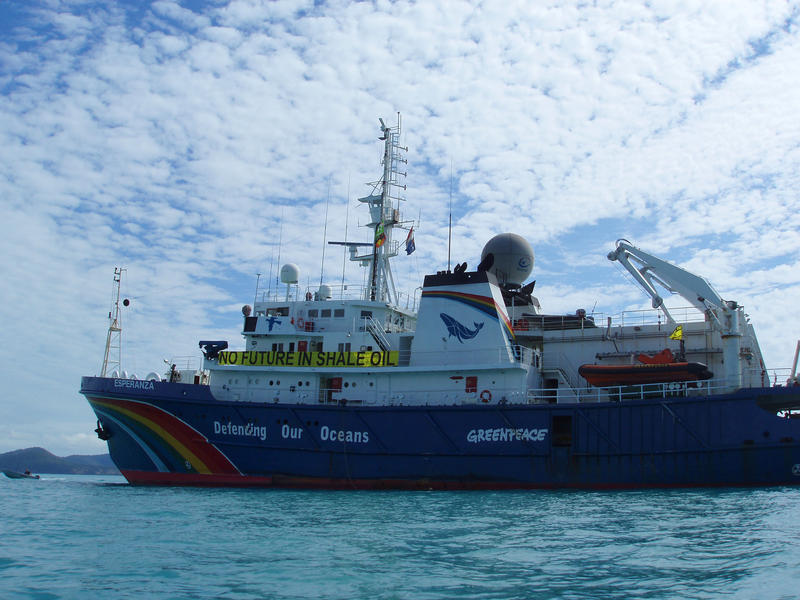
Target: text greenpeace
x,y
254,358
505,434
248,430
134,384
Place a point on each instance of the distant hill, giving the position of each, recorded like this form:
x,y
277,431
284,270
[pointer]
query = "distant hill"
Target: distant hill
x,y
39,460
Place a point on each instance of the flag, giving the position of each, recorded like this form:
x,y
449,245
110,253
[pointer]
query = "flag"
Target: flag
x,y
380,236
677,334
410,247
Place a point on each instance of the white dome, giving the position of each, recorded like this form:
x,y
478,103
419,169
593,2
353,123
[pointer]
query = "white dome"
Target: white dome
x,y
290,273
513,258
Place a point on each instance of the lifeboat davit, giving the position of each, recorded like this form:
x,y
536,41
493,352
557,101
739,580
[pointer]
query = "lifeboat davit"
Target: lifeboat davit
x,y
660,368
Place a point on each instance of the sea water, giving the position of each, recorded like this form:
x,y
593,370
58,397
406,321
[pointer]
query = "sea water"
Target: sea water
x,y
86,537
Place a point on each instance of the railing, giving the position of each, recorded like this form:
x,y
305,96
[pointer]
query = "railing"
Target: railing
x,y
458,394
596,321
562,365
184,363
338,292
624,393
376,330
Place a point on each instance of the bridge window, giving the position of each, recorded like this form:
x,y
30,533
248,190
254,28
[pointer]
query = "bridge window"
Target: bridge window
x,y
338,313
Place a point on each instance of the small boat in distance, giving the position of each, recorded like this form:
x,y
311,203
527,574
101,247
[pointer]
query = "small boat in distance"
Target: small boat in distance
x,y
17,475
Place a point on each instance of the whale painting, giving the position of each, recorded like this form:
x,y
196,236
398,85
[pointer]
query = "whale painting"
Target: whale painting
x,y
458,330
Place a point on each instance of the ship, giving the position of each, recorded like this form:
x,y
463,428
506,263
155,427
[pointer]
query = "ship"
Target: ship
x,y
465,384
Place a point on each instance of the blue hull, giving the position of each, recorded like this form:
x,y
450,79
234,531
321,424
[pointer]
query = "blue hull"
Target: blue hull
x,y
178,434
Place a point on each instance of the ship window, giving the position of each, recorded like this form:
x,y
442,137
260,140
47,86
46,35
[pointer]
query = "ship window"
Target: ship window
x,y
308,383
326,313
338,313
366,313
346,384
291,346
354,384
313,313
270,381
300,383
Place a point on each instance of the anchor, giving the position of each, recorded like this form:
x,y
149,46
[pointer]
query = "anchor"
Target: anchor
x,y
102,433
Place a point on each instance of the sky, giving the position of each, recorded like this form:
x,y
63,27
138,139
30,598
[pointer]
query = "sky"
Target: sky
x,y
200,143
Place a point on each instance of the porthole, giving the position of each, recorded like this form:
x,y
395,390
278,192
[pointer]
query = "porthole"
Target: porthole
x,y
346,384
308,383
270,381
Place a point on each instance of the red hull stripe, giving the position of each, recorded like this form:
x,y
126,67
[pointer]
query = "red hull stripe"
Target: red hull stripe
x,y
179,437
326,483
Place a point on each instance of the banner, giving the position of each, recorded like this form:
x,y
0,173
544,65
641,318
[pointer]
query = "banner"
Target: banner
x,y
364,359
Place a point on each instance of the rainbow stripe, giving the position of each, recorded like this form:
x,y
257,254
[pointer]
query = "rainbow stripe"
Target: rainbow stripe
x,y
485,304
171,443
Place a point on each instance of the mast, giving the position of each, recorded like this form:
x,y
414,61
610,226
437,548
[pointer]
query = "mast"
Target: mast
x,y
113,354
384,212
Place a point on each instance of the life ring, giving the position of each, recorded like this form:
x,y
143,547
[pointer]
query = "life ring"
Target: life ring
x,y
300,323
486,396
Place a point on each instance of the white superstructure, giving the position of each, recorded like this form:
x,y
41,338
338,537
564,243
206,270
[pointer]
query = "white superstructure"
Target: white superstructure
x,y
476,337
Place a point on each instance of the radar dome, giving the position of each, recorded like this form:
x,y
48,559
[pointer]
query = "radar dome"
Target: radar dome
x,y
324,292
290,273
513,258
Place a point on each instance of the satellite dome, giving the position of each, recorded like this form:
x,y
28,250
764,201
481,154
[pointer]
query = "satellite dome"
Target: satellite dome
x,y
324,292
290,273
513,258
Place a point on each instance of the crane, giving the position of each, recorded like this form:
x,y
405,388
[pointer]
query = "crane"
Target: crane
x,y
725,316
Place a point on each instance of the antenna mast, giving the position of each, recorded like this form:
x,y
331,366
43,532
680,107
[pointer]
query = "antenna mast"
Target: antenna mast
x,y
113,353
384,211
384,215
